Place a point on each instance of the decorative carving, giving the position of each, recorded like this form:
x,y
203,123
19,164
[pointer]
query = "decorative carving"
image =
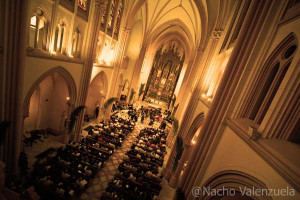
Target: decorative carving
x,y
82,4
216,34
100,5
166,68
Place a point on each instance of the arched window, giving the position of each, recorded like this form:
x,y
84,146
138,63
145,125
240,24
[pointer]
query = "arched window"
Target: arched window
x,y
271,79
32,31
75,43
118,21
38,30
59,37
263,92
41,39
111,19
56,38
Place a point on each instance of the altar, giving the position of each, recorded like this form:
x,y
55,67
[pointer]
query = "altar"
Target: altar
x,y
164,74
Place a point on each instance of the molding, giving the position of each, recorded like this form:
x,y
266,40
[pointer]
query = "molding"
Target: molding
x,y
38,53
290,14
233,179
282,168
102,66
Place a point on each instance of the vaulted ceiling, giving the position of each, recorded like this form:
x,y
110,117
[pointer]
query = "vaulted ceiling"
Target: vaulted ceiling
x,y
169,17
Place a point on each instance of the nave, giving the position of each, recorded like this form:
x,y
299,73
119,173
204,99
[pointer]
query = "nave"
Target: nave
x,y
109,155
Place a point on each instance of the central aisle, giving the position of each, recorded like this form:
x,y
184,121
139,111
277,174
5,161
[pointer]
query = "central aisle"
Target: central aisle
x,y
101,180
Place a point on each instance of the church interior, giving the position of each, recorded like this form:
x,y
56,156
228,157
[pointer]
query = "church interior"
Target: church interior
x,y
149,99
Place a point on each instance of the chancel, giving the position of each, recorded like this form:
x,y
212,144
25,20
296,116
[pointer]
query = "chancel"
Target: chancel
x,y
149,99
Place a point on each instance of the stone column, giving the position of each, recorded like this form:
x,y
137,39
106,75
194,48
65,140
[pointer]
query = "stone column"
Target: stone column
x,y
99,118
120,54
243,47
138,67
185,124
185,156
88,64
13,64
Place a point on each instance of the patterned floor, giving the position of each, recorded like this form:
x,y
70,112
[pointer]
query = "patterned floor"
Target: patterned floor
x,y
100,182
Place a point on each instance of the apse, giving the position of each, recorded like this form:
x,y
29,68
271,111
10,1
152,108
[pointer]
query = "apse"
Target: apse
x,y
165,72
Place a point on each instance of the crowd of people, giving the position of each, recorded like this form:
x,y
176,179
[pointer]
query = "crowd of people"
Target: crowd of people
x,y
65,173
139,173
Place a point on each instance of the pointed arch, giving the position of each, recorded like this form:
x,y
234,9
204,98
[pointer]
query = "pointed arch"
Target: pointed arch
x,y
198,121
268,80
67,77
235,180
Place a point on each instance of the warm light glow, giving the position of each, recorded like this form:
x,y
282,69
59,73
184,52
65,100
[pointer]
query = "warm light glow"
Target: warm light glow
x,y
70,52
33,21
209,99
193,142
107,56
42,24
68,98
203,95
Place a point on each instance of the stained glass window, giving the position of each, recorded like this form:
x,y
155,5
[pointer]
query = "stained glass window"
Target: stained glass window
x,y
103,17
83,4
118,19
112,14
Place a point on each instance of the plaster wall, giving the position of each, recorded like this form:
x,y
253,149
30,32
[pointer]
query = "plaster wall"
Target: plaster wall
x,y
232,153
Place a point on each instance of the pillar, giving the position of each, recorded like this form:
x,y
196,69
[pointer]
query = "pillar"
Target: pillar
x,y
185,156
119,60
138,67
184,125
100,117
244,44
12,77
88,64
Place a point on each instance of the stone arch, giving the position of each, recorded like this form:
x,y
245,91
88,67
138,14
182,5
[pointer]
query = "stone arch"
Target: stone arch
x,y
101,75
198,121
235,180
97,93
67,77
